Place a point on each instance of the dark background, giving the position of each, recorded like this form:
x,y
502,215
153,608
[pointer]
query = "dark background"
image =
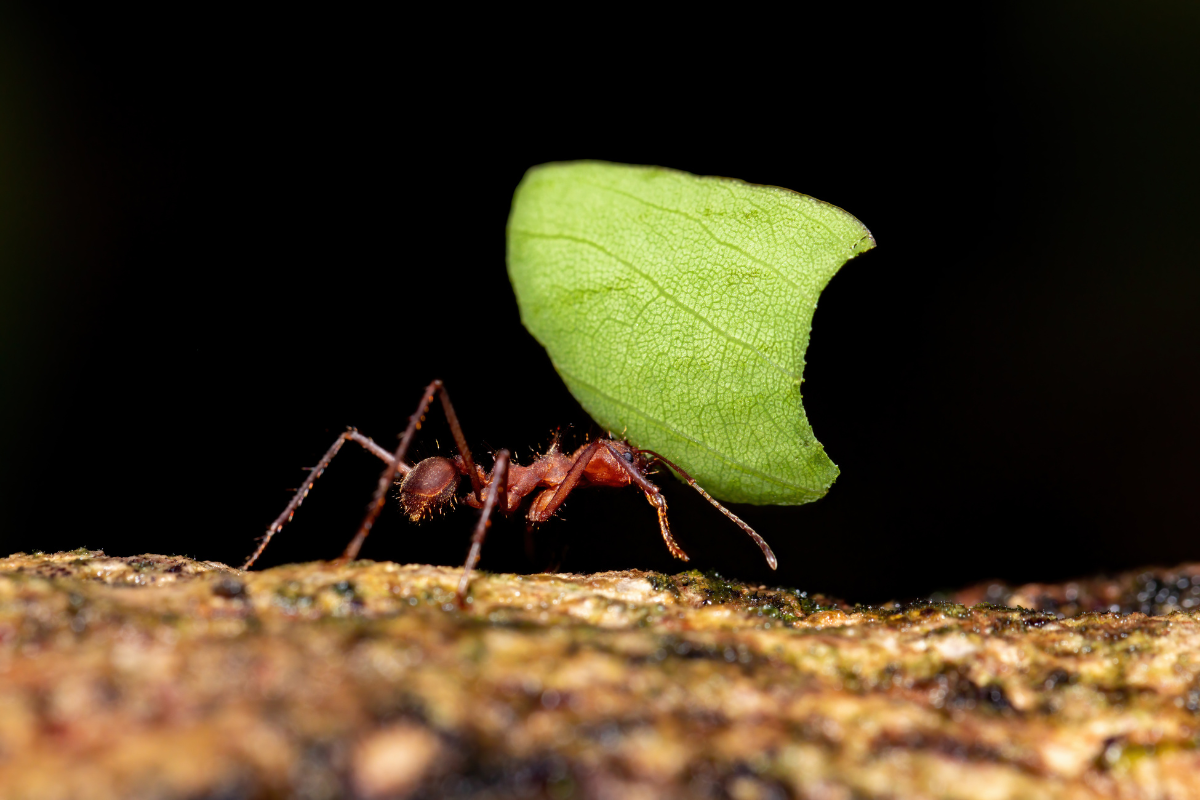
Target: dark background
x,y
224,239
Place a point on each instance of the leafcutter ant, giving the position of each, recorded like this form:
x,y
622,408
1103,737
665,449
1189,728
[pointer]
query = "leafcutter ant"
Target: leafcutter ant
x,y
433,483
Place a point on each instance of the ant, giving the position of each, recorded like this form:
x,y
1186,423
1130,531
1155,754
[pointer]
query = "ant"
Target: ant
x,y
432,483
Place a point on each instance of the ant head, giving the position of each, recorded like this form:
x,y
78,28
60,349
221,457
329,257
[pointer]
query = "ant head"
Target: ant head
x,y
639,458
428,486
646,459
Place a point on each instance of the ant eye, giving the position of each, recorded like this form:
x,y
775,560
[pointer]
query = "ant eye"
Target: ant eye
x,y
628,457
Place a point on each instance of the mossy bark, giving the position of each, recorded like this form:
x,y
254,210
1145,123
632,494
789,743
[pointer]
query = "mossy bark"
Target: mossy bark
x,y
165,677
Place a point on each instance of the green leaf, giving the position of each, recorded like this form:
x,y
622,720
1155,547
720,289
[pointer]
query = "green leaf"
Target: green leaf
x,y
677,310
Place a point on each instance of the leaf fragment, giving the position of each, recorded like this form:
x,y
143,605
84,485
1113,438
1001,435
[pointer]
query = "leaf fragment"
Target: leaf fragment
x,y
677,310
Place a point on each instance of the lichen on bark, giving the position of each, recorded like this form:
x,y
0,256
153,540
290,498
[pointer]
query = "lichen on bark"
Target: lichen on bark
x,y
163,677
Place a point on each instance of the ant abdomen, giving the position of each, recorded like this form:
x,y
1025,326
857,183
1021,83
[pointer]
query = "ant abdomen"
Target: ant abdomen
x,y
428,486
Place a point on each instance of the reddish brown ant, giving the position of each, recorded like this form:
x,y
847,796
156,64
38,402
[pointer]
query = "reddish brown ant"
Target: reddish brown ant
x,y
433,483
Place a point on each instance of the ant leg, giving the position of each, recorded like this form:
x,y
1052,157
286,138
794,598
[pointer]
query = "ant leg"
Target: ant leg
x,y
649,489
389,474
574,474
758,540
497,493
654,495
314,473
375,450
460,442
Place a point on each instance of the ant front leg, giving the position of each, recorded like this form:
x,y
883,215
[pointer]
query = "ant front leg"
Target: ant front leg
x,y
314,473
497,493
758,540
653,494
389,474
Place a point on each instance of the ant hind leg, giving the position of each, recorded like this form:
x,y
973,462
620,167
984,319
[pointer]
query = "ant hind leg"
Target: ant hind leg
x,y
497,492
314,473
396,459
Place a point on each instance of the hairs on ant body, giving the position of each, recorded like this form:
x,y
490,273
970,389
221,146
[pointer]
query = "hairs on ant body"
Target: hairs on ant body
x,y
432,483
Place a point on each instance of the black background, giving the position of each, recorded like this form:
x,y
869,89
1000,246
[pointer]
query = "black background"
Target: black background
x,y
224,239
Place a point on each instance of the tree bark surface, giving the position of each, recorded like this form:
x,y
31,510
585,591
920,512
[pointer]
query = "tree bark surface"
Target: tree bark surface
x,y
164,677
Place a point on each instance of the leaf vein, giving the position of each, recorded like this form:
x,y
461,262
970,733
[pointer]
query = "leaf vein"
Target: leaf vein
x,y
740,467
664,294
700,223
812,219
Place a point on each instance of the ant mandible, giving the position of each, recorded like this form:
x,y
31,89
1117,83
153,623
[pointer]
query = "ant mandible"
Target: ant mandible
x,y
433,483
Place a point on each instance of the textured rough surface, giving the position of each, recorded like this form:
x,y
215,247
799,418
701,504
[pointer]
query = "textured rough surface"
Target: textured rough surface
x,y
677,309
163,677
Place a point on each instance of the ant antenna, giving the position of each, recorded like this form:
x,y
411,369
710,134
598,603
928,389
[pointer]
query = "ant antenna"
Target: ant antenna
x,y
762,544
